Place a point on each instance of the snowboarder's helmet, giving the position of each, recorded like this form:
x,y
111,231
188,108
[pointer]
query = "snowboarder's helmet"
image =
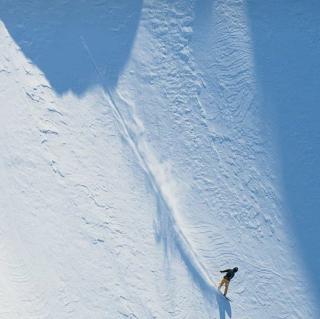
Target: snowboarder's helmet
x,y
235,269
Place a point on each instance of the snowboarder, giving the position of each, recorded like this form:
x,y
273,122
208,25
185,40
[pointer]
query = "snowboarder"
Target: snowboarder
x,y
226,279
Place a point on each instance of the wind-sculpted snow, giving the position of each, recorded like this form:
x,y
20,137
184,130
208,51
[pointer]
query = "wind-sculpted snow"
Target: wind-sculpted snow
x,y
137,162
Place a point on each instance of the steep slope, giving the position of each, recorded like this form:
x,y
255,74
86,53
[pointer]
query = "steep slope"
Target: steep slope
x,y
124,193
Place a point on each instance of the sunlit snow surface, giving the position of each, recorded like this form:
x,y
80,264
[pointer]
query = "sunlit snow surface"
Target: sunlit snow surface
x,y
140,155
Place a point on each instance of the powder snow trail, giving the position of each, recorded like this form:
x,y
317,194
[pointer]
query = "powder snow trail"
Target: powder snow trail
x,y
133,135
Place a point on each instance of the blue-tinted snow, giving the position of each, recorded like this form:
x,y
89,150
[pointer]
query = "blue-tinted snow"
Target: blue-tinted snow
x,y
286,47
51,35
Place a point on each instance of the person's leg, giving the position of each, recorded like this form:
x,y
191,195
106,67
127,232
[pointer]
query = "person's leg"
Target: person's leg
x,y
221,283
226,286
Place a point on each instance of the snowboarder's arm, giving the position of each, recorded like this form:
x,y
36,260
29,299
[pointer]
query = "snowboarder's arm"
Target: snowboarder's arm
x,y
224,270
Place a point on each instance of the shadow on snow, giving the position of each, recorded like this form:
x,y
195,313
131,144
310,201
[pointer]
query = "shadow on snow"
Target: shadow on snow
x,y
53,35
286,45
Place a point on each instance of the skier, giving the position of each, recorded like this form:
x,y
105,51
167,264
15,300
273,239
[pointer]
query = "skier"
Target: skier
x,y
226,279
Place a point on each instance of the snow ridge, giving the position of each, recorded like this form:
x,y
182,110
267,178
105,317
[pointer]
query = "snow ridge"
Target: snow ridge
x,y
169,229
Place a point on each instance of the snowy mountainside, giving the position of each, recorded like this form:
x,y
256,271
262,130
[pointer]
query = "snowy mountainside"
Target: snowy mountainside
x,y
131,176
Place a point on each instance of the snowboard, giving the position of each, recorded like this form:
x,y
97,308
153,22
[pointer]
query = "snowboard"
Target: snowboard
x,y
225,296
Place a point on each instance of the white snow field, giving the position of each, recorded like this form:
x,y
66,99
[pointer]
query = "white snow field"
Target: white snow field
x,y
139,158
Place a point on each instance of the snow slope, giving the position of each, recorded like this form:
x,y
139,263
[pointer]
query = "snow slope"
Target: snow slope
x,y
137,161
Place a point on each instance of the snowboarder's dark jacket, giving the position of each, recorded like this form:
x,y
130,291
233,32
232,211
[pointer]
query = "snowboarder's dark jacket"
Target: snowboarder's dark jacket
x,y
229,273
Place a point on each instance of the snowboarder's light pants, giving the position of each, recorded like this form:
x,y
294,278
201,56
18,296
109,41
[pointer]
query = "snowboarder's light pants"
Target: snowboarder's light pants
x,y
226,283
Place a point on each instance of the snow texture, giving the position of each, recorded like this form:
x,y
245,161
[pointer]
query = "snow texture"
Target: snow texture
x,y
147,145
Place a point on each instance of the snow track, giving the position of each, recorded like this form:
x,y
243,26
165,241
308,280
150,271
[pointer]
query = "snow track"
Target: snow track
x,y
168,228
